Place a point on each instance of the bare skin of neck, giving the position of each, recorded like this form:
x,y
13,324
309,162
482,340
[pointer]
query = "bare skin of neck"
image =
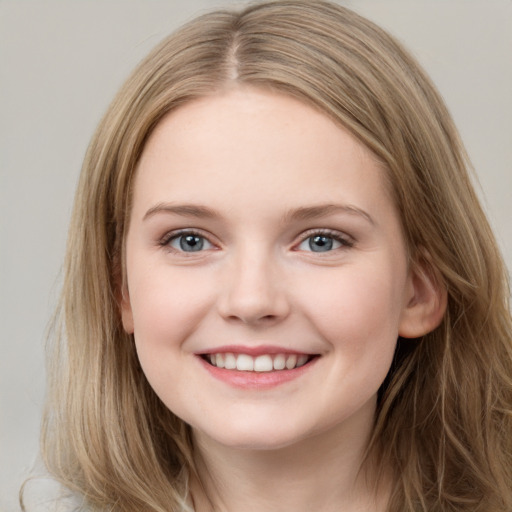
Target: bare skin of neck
x,y
321,472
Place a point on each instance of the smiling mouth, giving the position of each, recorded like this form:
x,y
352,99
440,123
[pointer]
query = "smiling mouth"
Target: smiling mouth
x,y
261,363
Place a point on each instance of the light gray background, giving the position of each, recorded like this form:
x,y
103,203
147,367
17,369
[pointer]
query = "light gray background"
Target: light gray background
x,y
60,65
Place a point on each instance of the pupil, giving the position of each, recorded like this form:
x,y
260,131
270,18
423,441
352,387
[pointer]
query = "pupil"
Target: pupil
x,y
320,243
191,243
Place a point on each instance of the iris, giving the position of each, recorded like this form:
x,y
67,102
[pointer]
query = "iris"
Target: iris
x,y
320,243
191,243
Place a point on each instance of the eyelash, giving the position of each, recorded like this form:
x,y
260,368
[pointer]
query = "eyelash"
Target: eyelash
x,y
166,240
344,240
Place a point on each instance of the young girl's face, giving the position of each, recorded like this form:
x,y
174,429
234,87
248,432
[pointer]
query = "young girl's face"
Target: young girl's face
x,y
267,277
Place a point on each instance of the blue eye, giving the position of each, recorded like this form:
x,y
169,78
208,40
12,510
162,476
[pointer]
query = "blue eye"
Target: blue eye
x,y
189,242
322,242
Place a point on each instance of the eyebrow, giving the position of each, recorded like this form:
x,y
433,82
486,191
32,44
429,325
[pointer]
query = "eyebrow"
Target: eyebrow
x,y
313,212
293,215
185,210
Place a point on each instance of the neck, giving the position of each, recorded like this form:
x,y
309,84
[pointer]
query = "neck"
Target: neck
x,y
326,472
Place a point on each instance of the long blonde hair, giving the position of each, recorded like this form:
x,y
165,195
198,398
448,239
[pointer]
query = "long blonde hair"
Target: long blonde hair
x,y
444,418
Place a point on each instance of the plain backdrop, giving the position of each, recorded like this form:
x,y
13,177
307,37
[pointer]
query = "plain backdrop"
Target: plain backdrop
x,y
61,62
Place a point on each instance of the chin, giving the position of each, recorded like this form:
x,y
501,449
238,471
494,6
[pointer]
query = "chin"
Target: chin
x,y
265,438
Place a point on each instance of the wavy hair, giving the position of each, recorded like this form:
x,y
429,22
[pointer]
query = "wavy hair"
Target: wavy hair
x,y
444,417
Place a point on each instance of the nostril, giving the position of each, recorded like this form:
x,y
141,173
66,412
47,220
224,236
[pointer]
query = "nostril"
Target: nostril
x,y
253,301
255,319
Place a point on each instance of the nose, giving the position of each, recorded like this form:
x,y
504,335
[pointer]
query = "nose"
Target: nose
x,y
253,291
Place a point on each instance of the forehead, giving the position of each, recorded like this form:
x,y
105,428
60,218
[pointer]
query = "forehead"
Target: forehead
x,y
246,143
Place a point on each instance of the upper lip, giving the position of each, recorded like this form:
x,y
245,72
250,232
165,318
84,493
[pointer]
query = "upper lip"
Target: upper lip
x,y
254,351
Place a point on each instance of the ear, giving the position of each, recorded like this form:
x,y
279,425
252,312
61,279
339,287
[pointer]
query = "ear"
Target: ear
x,y
126,310
426,299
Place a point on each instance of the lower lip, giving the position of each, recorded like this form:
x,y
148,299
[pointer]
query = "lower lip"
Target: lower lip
x,y
256,380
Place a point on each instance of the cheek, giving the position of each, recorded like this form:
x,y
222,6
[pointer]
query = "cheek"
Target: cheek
x,y
357,308
167,309
358,316
167,305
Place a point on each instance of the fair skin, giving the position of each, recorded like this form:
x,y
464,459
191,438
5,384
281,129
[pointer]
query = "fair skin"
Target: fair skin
x,y
263,236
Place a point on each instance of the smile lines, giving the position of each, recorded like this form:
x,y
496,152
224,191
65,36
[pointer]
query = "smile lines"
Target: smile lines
x,y
261,363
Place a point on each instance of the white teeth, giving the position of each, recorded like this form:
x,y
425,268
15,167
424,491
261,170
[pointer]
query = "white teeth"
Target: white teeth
x,y
302,360
263,363
229,361
279,362
245,363
291,361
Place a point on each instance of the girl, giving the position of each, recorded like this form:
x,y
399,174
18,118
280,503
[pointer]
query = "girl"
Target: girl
x,y
281,291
